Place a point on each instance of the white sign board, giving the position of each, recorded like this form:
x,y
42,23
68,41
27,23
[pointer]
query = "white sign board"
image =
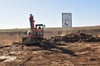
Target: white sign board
x,y
66,20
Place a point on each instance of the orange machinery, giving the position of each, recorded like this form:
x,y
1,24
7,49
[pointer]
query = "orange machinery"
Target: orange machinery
x,y
36,33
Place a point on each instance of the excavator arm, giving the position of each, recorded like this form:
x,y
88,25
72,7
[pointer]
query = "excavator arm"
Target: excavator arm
x,y
31,19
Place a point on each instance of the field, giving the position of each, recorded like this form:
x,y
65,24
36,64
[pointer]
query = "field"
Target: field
x,y
55,53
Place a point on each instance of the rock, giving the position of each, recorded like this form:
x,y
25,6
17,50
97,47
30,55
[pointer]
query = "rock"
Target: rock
x,y
8,58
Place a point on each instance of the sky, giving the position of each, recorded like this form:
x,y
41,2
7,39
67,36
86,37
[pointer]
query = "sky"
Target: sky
x,y
15,13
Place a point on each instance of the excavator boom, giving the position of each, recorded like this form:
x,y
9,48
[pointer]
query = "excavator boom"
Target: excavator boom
x,y
31,19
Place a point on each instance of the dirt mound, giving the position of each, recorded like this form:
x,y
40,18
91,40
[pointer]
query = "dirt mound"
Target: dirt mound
x,y
76,37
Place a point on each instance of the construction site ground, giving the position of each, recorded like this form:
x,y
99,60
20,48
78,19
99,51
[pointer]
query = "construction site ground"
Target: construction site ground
x,y
56,52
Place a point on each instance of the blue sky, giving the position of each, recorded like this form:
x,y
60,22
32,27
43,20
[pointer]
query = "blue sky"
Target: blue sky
x,y
15,13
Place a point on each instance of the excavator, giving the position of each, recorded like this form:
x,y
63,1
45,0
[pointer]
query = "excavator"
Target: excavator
x,y
36,33
35,38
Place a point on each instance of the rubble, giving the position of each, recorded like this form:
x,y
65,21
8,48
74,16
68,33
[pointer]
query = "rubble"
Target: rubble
x,y
76,37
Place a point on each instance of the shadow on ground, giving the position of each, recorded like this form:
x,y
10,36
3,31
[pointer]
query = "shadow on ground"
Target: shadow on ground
x,y
53,45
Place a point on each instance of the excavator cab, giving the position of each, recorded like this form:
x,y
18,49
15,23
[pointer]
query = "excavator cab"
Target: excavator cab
x,y
39,31
36,37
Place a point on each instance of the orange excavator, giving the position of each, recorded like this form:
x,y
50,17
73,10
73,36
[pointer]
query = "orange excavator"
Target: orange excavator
x,y
36,33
